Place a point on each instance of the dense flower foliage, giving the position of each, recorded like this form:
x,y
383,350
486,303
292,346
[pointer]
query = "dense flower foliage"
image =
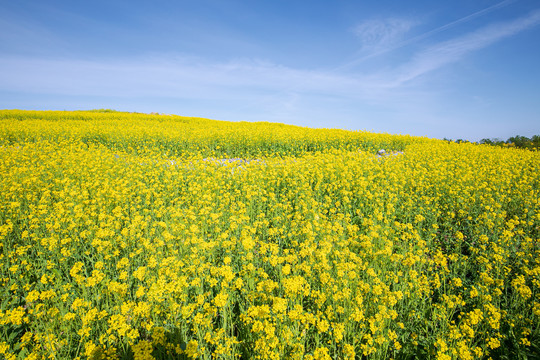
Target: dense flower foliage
x,y
155,237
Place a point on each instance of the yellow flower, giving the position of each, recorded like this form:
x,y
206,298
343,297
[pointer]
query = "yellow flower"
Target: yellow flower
x,y
140,273
322,325
143,350
16,316
349,352
321,353
221,300
4,347
192,349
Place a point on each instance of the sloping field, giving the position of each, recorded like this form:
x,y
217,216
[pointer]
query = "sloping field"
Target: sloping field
x,y
144,236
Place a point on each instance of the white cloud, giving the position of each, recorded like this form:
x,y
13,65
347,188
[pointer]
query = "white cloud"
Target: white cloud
x,y
378,33
453,50
390,38
178,77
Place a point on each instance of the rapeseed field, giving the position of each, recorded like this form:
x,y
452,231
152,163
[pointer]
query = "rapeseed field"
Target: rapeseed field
x,y
136,236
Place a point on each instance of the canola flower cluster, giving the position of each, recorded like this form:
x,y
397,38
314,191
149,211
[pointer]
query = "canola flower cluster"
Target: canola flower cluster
x,y
122,238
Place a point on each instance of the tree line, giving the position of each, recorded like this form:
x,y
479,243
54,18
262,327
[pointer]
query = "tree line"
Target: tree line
x,y
517,141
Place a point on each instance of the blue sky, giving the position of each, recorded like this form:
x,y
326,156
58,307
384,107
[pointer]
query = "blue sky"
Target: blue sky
x,y
456,69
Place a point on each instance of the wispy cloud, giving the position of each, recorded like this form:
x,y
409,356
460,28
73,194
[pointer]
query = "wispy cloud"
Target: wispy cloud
x,y
455,23
389,34
453,50
189,77
278,89
375,34
237,90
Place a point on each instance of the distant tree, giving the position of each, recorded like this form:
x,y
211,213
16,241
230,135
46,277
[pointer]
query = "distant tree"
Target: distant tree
x,y
487,141
536,141
519,141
